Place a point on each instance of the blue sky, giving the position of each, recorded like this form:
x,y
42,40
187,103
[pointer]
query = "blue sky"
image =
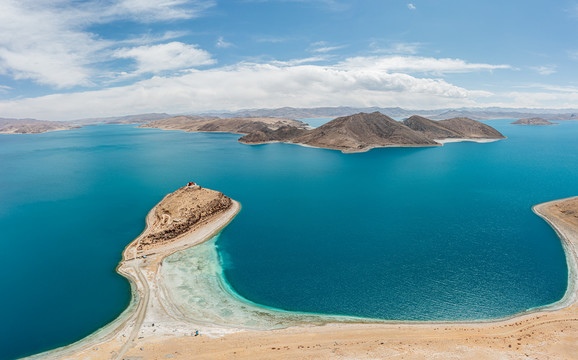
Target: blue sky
x,y
70,59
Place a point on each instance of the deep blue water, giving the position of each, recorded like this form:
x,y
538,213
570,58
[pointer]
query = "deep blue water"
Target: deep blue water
x,y
402,234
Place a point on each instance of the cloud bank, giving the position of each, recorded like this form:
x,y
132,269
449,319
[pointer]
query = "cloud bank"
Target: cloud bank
x,y
370,81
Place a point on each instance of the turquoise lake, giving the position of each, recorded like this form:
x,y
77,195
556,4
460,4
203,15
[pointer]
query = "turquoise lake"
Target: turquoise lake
x,y
443,233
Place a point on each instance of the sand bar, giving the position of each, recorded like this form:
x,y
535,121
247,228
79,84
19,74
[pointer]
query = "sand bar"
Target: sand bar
x,y
162,321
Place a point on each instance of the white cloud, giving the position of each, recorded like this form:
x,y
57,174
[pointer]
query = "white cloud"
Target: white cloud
x,y
333,5
545,69
251,85
294,62
47,41
38,45
156,10
323,47
554,100
549,87
221,43
327,49
411,6
573,54
417,64
405,48
172,56
270,39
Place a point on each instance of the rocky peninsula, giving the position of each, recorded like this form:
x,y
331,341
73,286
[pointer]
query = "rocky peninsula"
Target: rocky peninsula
x,y
362,132
533,121
172,316
349,134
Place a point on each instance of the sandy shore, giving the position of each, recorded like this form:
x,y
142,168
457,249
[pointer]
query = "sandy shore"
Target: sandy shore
x,y
177,293
482,141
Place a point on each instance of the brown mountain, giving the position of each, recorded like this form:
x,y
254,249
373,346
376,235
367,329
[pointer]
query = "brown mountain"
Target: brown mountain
x,y
362,132
282,134
354,133
432,129
533,121
456,128
471,129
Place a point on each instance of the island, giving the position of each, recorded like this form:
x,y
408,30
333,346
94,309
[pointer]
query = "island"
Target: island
x,y
365,131
354,133
31,126
533,121
180,308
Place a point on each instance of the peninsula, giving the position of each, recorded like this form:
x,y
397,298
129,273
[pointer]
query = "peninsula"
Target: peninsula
x,y
362,132
349,134
533,121
238,125
31,126
172,316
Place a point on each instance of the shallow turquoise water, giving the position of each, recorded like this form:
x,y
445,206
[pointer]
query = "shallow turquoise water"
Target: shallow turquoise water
x,y
401,234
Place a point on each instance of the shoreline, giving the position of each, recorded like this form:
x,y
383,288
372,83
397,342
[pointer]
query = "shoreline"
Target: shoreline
x,y
105,341
476,140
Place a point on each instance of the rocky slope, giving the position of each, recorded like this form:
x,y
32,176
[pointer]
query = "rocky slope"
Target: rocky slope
x,y
361,132
175,216
533,121
456,128
30,126
432,129
282,134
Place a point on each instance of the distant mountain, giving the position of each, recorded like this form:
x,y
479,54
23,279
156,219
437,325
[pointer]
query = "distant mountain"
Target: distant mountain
x,y
229,125
31,126
129,119
436,114
363,131
322,112
533,121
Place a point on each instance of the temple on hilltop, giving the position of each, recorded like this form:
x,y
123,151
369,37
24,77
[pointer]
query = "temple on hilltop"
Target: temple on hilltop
x,y
192,185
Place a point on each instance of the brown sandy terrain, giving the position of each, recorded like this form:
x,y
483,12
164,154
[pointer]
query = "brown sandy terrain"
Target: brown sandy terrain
x,y
30,126
551,333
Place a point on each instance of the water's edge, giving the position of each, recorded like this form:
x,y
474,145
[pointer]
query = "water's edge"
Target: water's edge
x,y
256,316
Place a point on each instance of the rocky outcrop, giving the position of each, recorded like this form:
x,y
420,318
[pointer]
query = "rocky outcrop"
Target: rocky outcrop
x,y
533,121
176,214
263,136
432,129
353,133
361,132
455,128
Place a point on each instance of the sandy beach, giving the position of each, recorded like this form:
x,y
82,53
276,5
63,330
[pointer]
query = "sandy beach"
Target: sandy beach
x,y
481,141
177,293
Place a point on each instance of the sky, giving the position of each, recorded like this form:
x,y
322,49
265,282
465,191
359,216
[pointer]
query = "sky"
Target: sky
x,y
73,59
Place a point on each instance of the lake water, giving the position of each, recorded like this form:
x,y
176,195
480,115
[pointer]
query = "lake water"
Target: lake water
x,y
442,233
